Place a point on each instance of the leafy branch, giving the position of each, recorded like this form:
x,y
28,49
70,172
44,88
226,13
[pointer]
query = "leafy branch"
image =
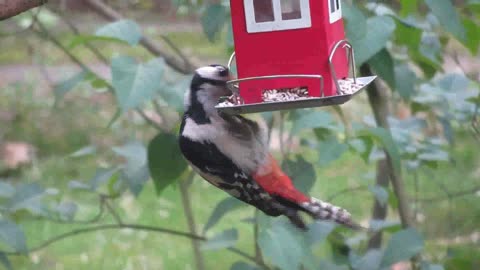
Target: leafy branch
x,y
181,65
12,8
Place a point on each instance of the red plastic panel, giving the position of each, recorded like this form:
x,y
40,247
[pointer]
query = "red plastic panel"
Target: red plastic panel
x,y
298,51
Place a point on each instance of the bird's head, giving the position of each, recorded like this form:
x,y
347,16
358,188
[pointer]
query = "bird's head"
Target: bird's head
x,y
209,83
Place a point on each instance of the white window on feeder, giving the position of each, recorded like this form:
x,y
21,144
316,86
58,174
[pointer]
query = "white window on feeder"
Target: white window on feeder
x,y
277,15
335,10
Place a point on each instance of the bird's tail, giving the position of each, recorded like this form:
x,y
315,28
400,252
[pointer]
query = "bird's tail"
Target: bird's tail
x,y
325,211
271,178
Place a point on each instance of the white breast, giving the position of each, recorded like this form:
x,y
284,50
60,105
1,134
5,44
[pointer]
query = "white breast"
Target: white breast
x,y
247,155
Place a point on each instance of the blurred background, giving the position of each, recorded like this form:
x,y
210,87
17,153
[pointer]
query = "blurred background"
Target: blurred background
x,y
91,94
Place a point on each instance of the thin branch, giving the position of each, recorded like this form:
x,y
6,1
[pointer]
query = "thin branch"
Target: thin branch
x,y
475,123
187,209
106,227
149,120
45,34
177,50
258,253
248,257
12,8
346,191
114,213
87,44
453,195
90,221
112,15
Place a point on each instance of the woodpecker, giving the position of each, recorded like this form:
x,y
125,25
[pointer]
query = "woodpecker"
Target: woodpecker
x,y
231,152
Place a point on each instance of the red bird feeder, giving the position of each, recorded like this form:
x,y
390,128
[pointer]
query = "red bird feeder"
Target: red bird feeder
x,y
290,54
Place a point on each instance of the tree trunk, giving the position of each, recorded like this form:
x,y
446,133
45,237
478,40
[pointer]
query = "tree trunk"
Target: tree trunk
x,y
379,211
379,104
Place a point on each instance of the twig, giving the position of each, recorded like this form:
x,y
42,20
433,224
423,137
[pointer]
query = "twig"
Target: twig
x,y
90,221
107,227
454,195
114,213
258,253
379,104
87,44
475,123
187,209
10,9
248,257
85,68
149,120
107,12
43,33
346,191
177,50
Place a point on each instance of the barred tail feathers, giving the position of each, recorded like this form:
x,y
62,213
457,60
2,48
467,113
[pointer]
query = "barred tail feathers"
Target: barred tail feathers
x,y
271,178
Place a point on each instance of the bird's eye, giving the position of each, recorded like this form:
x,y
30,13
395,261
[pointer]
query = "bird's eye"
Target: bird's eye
x,y
222,72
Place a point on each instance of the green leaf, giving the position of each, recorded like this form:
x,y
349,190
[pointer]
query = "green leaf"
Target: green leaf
x,y
448,17
434,155
428,266
5,261
173,94
408,7
13,236
310,119
225,206
384,137
6,190
382,64
85,151
79,185
408,34
302,173
135,83
282,247
356,26
379,31
318,231
213,20
125,30
405,81
165,162
226,239
472,42
330,150
68,85
85,39
135,171
381,194
243,266
385,225
402,246
332,266
102,176
370,261
67,210
28,197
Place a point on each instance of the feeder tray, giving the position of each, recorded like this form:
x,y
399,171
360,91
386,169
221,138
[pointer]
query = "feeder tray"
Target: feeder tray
x,y
296,98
